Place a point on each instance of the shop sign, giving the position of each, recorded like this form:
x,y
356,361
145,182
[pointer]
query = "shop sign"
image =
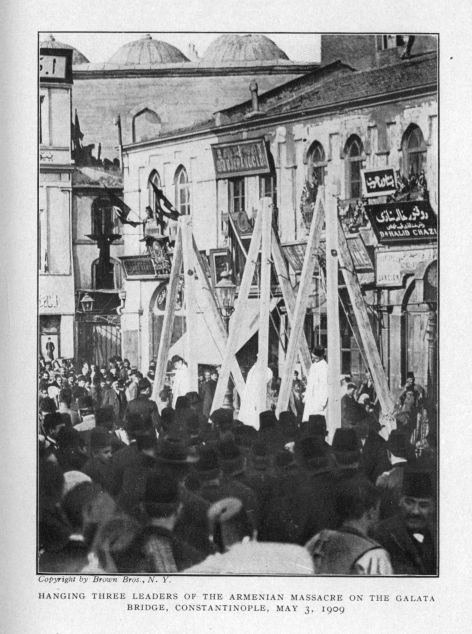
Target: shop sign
x,y
138,267
403,222
242,158
55,65
48,302
379,182
295,254
392,266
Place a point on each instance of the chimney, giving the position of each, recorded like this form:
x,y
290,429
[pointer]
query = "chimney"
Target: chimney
x,y
253,87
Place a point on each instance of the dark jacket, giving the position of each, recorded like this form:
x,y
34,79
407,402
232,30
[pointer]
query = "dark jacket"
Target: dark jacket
x,y
134,483
407,555
352,412
100,473
163,552
145,408
207,392
122,459
374,460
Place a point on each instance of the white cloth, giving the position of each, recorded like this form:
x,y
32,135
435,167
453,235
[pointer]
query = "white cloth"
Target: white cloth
x,y
264,558
182,384
249,410
316,393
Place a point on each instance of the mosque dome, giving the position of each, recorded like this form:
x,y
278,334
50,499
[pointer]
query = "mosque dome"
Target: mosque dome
x,y
77,57
147,51
252,47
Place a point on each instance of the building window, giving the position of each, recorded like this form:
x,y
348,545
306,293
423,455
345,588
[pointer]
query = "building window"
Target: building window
x,y
106,275
353,156
390,41
155,179
316,164
237,195
182,191
414,151
104,220
146,125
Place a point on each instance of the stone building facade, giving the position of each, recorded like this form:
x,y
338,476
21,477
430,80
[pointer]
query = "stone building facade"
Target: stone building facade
x,y
333,123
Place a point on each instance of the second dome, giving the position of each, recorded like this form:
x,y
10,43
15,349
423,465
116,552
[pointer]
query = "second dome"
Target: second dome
x,y
147,51
252,47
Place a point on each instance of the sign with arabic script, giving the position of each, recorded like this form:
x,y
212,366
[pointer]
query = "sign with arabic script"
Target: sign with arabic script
x,y
379,182
406,221
242,158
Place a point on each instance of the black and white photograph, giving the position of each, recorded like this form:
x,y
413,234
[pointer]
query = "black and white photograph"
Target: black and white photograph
x,y
279,417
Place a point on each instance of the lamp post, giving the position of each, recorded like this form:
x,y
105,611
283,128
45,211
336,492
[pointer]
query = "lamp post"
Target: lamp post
x,y
226,294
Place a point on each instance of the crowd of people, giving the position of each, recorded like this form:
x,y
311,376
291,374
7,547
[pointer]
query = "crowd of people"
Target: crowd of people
x,y
131,485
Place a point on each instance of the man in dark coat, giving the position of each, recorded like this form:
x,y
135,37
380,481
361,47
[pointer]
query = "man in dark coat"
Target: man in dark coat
x,y
352,412
410,537
207,392
143,405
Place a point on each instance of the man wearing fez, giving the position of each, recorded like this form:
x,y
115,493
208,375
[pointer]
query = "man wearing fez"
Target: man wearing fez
x,y
409,536
316,394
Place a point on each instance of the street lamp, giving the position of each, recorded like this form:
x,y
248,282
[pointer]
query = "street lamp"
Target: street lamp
x,y
226,294
87,303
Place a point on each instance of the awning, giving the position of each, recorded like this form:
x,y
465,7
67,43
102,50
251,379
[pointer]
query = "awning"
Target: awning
x,y
205,345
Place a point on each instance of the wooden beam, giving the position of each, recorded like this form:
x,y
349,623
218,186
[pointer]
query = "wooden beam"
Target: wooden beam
x,y
236,318
189,295
288,294
302,300
166,332
370,346
214,320
333,419
265,209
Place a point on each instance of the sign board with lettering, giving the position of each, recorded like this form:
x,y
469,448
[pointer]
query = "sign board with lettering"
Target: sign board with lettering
x,y
403,222
242,158
379,182
295,254
138,267
55,65
393,265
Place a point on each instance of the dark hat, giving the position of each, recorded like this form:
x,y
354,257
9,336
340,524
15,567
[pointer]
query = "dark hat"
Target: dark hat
x,y
346,446
345,440
51,421
231,459
176,358
167,417
222,417
245,435
69,438
173,450
181,402
207,465
398,443
267,420
417,483
143,385
99,438
410,375
193,398
312,452
161,489
318,351
152,364
351,385
315,426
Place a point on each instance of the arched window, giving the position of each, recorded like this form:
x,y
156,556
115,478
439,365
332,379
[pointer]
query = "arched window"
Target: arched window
x,y
414,151
182,191
156,179
316,164
353,155
106,276
104,220
146,125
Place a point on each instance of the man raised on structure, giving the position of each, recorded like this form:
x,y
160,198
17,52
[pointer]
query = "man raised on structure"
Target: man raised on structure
x,y
316,394
249,410
182,383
